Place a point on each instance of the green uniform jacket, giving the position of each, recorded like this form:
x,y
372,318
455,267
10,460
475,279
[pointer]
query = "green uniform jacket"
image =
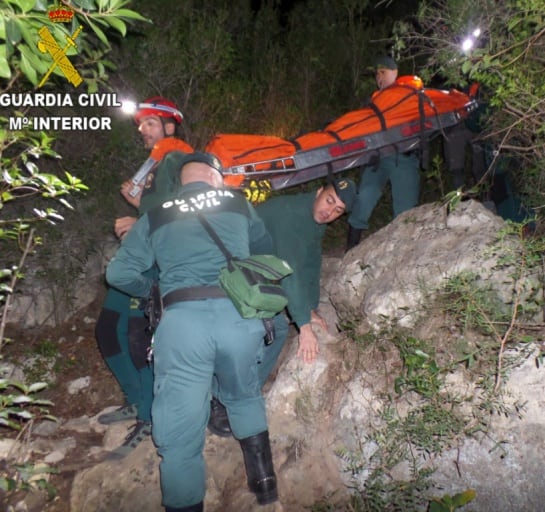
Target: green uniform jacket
x,y
297,238
173,237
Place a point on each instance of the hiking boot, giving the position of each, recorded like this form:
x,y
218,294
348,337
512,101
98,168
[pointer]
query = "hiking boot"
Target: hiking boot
x,y
259,467
141,430
218,422
125,412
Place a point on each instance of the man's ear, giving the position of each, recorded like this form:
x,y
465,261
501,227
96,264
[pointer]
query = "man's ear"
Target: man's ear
x,y
319,191
170,128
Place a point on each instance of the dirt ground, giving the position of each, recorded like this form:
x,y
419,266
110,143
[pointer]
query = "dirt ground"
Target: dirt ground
x,y
74,350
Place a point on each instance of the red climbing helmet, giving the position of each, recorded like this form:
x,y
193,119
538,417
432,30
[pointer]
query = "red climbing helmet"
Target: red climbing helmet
x,y
158,106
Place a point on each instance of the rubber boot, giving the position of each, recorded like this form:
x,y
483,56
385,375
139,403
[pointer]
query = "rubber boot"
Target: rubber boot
x,y
353,238
198,507
259,467
218,423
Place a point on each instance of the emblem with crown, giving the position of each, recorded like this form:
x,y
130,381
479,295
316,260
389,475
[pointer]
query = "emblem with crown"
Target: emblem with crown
x,y
60,13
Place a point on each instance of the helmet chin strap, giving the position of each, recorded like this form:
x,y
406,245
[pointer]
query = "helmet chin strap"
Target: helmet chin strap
x,y
163,127
164,122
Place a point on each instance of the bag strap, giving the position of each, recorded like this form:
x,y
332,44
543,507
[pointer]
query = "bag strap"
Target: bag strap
x,y
215,237
267,322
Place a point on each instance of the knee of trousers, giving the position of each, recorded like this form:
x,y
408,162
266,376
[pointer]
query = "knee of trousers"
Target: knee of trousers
x,y
106,333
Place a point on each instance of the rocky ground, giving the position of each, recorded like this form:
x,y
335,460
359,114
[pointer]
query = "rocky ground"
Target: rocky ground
x,y
328,417
61,356
73,352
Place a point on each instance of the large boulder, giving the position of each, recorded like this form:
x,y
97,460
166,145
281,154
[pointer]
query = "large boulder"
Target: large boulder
x,y
326,419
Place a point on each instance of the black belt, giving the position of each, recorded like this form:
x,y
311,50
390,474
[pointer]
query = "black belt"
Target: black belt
x,y
193,293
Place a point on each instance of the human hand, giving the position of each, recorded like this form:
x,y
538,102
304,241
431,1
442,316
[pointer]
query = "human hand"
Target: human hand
x,y
126,189
308,344
122,226
315,318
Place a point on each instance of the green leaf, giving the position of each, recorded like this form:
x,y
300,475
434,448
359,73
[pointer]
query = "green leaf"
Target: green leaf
x,y
13,2
127,13
466,67
109,64
26,415
5,71
21,399
437,507
37,386
116,4
41,5
7,484
39,65
28,70
116,23
13,34
26,5
98,32
92,86
460,499
24,27
88,5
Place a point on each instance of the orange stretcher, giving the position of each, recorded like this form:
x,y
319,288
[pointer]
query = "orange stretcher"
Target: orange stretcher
x,y
397,119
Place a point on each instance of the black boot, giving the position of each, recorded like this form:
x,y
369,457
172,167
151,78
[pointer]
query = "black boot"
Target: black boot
x,y
259,467
198,507
353,238
218,423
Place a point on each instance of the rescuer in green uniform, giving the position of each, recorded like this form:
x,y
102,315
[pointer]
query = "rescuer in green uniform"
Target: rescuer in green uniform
x,y
297,225
402,170
201,335
121,329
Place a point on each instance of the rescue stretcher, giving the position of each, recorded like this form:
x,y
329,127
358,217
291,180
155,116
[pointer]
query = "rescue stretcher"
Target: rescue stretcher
x,y
397,119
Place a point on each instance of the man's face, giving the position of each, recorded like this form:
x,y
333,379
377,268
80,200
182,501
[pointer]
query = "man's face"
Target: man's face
x,y
385,77
327,206
152,131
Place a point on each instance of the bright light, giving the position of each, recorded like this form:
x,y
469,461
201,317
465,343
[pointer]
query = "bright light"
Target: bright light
x,y
128,107
467,44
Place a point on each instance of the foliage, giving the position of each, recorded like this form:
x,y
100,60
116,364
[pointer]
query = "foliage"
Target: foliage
x,y
21,58
22,180
26,477
421,415
505,60
28,175
15,408
23,175
448,503
265,69
420,369
19,406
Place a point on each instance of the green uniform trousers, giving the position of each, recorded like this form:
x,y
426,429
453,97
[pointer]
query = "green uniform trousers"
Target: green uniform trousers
x,y
121,335
195,342
270,353
402,170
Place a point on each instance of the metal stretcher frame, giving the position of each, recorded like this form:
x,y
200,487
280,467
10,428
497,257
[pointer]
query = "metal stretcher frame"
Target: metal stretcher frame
x,y
339,156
